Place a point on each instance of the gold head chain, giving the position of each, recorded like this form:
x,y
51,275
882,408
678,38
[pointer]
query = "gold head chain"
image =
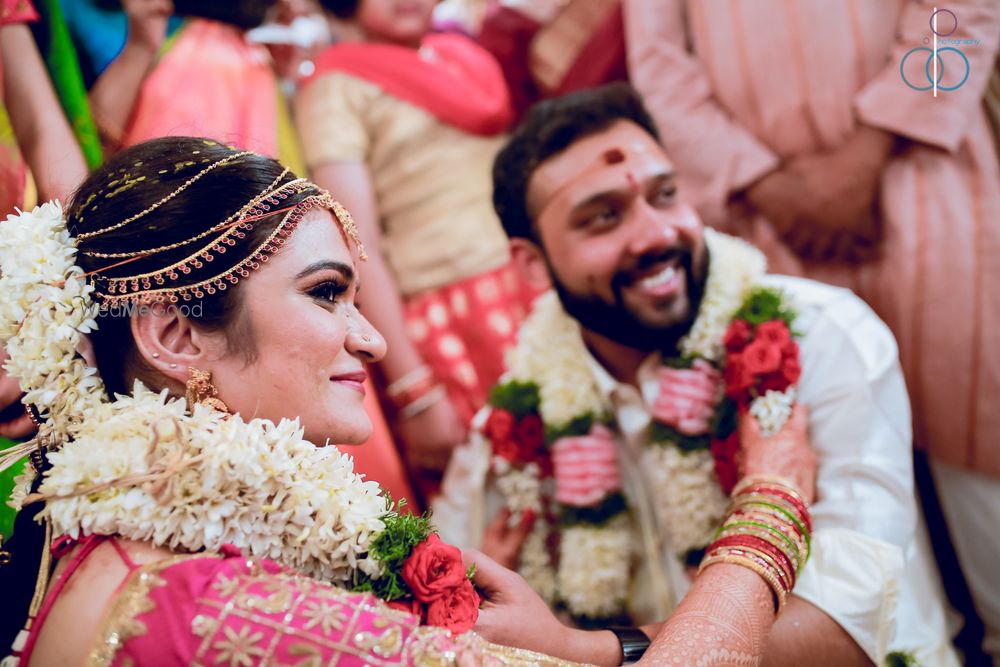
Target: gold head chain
x,y
152,286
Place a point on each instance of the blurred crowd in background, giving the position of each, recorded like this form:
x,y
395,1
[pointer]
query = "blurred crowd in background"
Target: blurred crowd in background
x,y
802,126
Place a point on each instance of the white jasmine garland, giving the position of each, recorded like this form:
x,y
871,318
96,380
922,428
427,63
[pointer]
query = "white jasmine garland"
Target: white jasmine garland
x,y
45,309
688,501
534,563
773,409
145,467
521,488
735,268
550,353
591,579
256,485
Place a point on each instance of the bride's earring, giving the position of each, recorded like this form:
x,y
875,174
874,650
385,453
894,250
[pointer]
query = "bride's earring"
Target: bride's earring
x,y
201,390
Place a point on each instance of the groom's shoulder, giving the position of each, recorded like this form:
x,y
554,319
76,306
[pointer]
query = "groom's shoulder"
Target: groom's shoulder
x,y
826,312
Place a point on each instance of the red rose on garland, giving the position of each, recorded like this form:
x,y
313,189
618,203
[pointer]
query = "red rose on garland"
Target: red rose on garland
x,y
458,611
433,570
530,434
499,425
507,449
761,357
409,605
727,469
774,332
737,376
737,336
791,370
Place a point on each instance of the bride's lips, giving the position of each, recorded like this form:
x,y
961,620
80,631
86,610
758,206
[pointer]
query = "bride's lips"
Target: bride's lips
x,y
355,381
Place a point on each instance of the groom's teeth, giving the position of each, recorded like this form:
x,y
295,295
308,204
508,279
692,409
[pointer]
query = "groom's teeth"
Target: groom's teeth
x,y
664,276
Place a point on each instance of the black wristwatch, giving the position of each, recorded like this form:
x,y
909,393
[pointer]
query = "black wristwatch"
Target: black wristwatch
x,y
634,643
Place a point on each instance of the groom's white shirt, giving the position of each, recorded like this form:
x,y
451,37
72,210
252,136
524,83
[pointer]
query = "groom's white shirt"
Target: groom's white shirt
x,y
871,568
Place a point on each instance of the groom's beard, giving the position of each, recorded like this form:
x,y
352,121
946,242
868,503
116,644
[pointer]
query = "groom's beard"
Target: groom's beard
x,y
617,322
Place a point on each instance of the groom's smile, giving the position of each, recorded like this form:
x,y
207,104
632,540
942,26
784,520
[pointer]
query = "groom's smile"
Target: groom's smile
x,y
625,253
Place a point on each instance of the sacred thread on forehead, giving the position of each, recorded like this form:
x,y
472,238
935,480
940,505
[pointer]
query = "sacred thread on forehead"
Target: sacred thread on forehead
x,y
632,183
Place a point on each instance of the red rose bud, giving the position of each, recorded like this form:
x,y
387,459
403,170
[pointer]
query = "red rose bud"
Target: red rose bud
x,y
737,336
791,370
737,377
499,425
507,449
761,357
457,611
726,467
409,605
772,382
775,332
433,570
530,432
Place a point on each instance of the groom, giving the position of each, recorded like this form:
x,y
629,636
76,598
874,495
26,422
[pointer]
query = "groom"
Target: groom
x,y
630,369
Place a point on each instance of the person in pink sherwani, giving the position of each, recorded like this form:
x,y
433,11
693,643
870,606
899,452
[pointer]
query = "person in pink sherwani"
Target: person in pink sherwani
x,y
791,123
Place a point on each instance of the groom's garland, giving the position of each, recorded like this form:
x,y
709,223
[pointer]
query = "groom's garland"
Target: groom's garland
x,y
578,556
146,467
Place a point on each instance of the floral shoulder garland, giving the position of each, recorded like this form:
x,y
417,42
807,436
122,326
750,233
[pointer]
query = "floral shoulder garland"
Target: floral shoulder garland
x,y
146,467
578,556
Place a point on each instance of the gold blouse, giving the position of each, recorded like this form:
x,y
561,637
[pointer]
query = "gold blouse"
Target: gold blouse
x,y
432,181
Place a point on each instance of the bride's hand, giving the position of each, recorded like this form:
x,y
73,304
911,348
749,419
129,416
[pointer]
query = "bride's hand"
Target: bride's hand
x,y
512,613
786,453
14,422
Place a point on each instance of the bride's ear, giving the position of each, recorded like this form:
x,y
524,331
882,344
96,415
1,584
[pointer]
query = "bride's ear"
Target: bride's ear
x,y
168,342
529,260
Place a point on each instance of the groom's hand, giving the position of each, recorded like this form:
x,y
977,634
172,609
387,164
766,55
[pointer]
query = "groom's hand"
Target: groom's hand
x,y
503,539
688,397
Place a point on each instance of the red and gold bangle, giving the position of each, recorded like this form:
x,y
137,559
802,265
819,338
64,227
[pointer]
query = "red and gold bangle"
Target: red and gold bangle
x,y
794,504
757,566
790,540
781,561
790,520
751,538
770,480
763,559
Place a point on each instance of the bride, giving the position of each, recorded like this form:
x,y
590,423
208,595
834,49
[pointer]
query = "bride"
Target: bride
x,y
192,520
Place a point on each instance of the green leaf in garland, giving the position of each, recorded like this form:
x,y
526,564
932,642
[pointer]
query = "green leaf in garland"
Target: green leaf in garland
x,y
391,548
679,363
901,659
577,426
518,398
660,433
764,305
724,421
612,505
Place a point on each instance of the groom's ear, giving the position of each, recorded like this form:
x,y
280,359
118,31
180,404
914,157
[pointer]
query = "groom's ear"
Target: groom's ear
x,y
529,260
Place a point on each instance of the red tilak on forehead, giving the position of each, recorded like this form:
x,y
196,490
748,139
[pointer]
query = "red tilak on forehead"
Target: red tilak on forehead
x,y
614,156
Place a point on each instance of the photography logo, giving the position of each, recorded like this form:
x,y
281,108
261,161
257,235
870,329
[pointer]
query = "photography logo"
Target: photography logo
x,y
934,75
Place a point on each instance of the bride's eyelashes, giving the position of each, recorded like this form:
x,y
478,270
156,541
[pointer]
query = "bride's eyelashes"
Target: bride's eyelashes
x,y
329,291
